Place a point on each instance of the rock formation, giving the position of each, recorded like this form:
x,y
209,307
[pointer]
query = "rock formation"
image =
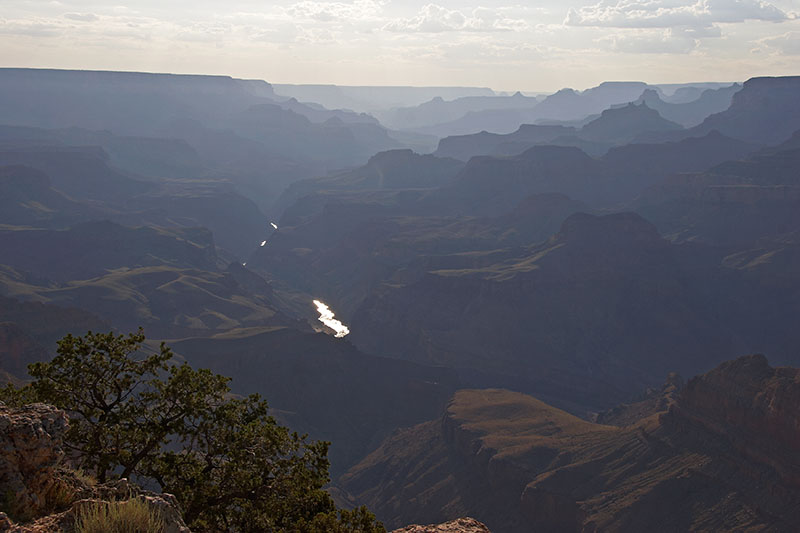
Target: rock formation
x,y
462,525
621,125
735,203
693,112
651,402
764,111
593,299
31,448
42,493
722,457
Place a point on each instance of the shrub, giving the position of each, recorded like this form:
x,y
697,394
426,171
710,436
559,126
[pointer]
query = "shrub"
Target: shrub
x,y
231,466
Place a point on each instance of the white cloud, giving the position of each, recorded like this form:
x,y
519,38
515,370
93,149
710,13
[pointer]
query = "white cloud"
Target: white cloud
x,y
787,43
335,11
506,43
481,50
434,18
62,29
204,32
82,17
30,27
670,13
657,41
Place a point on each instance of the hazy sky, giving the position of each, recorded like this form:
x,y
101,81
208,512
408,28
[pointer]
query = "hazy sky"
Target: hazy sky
x,y
543,45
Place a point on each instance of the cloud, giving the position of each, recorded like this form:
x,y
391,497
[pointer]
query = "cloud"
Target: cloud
x,y
657,41
787,44
335,11
204,33
30,28
481,50
82,17
671,13
101,31
433,18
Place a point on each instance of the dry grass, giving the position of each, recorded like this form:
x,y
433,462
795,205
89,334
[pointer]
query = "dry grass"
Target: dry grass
x,y
86,479
58,498
132,516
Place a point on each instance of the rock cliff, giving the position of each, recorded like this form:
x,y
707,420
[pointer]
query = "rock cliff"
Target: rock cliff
x,y
752,405
31,448
608,306
764,111
41,494
735,203
651,402
462,525
720,457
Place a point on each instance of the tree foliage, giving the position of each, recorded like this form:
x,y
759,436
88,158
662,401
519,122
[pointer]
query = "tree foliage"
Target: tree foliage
x,y
229,463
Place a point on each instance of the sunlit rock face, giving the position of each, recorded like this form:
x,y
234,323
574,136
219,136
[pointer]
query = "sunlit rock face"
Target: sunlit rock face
x,y
461,525
327,317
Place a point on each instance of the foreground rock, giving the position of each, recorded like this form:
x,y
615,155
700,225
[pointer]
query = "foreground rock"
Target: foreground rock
x,y
721,456
164,505
31,448
42,495
462,525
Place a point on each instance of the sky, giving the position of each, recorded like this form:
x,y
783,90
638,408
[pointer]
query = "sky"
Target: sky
x,y
534,46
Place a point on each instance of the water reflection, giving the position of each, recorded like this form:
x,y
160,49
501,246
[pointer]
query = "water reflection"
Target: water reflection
x,y
327,317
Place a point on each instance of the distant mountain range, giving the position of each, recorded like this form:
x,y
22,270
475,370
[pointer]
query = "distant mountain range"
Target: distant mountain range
x,y
239,130
692,112
373,98
502,115
438,111
613,127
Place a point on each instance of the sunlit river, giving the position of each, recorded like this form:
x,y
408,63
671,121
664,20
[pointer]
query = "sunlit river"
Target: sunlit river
x,y
327,317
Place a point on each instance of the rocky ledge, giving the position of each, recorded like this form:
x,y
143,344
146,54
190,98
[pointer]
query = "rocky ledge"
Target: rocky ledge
x,y
462,525
42,495
31,448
